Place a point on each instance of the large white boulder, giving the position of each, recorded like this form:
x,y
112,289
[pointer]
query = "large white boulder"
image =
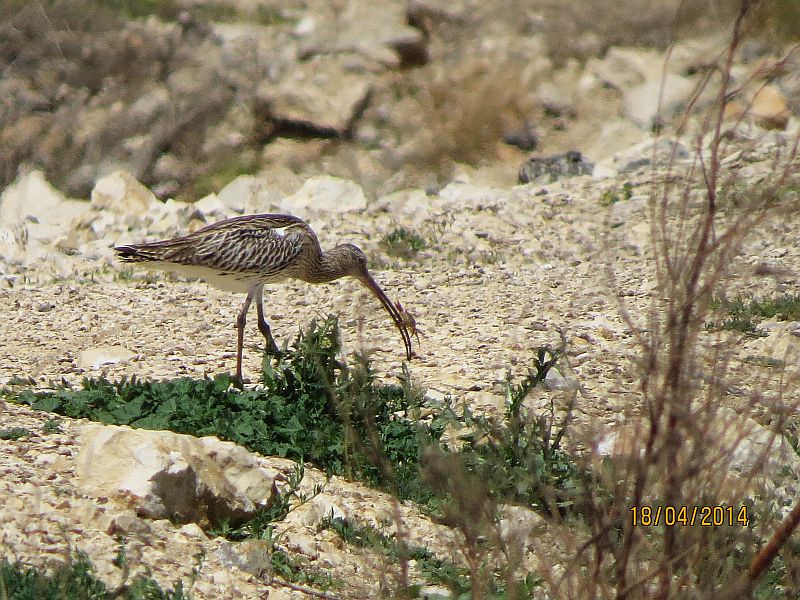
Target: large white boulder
x,y
162,474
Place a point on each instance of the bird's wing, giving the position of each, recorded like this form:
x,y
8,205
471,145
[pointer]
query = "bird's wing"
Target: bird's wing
x,y
265,244
265,221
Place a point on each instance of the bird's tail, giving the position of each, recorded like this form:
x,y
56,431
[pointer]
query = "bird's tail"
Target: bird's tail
x,y
141,253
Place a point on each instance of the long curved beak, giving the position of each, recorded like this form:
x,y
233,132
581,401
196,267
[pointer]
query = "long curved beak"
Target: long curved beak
x,y
368,281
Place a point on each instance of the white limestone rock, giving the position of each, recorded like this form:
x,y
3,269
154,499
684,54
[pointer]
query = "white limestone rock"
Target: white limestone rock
x,y
94,358
120,193
168,475
325,194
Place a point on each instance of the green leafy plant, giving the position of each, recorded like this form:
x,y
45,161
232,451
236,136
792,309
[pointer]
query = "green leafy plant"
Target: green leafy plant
x,y
52,426
403,243
311,408
520,460
299,570
360,535
166,9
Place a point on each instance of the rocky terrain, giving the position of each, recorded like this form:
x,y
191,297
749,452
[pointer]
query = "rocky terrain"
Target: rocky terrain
x,y
486,294
390,94
504,268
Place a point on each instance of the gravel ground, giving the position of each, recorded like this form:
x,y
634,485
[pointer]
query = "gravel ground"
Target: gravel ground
x,y
505,272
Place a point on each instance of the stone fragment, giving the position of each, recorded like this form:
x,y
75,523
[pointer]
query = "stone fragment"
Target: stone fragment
x,y
325,194
32,201
519,525
34,216
319,509
548,169
320,94
122,195
94,358
162,475
251,556
649,94
769,108
248,195
554,380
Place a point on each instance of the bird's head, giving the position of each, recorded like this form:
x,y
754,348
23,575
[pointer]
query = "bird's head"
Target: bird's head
x,y
356,262
355,259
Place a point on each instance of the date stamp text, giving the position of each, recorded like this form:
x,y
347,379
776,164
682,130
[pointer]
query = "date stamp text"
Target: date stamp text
x,y
689,516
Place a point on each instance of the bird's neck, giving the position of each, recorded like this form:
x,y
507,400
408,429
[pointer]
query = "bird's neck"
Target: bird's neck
x,y
327,267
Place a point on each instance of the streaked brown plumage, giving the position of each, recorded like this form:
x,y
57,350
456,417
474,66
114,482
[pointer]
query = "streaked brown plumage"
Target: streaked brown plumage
x,y
243,254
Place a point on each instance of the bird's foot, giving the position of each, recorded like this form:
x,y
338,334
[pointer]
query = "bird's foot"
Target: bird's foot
x,y
272,349
274,353
238,381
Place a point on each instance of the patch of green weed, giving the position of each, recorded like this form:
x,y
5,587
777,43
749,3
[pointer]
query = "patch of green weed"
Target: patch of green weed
x,y
52,426
15,433
124,275
403,243
520,460
299,570
165,9
311,408
169,10
75,580
744,315
434,570
360,535
614,195
271,15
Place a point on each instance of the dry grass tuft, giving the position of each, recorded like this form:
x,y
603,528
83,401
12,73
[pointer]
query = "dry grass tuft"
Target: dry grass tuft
x,y
460,114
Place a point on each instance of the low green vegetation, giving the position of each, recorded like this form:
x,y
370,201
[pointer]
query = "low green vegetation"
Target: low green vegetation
x,y
14,433
614,195
311,407
403,243
745,315
519,459
51,426
142,8
435,570
300,570
782,579
780,20
75,580
361,535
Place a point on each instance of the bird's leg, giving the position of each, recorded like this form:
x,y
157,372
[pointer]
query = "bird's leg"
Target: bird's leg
x,y
241,319
263,326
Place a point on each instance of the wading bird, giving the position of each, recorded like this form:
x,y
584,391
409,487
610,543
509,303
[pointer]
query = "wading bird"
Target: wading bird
x,y
242,254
